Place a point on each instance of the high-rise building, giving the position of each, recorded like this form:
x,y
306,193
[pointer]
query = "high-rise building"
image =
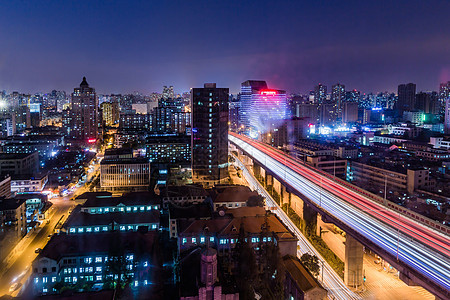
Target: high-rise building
x,y
261,108
444,94
110,112
427,102
406,97
209,134
320,93
447,116
350,112
168,92
84,113
337,98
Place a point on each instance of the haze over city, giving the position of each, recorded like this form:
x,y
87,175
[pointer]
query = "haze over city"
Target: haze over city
x,y
294,45
225,150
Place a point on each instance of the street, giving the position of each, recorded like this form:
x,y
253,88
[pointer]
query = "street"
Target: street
x,y
18,268
21,262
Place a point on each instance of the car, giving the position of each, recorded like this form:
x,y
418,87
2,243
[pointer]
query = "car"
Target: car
x,y
38,250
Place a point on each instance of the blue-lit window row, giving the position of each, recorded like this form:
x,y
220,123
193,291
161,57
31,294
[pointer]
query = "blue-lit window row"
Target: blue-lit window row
x,y
201,240
96,229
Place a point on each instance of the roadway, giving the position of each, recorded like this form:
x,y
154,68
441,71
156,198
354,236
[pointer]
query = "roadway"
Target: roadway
x,y
421,248
330,280
18,269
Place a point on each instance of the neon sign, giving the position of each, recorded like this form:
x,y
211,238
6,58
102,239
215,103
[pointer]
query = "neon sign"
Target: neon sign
x,y
91,141
268,92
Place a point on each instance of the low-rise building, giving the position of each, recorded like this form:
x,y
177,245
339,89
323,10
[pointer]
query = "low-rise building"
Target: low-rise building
x,y
29,183
336,167
118,153
19,163
299,284
222,232
86,222
180,216
388,139
231,196
13,217
393,180
184,195
69,258
440,142
5,186
434,154
126,174
168,148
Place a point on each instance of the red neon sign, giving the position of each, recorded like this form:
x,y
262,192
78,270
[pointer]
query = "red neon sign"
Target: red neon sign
x,y
268,92
91,141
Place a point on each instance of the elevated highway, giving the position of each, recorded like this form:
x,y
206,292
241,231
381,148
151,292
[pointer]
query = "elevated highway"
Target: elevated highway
x,y
418,247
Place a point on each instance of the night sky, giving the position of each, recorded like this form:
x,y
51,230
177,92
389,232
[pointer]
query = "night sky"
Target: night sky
x,y
126,46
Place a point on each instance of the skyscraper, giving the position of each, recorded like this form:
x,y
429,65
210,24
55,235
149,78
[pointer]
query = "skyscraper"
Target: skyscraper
x,y
84,113
111,113
444,97
209,134
261,108
444,94
406,97
337,98
168,92
320,93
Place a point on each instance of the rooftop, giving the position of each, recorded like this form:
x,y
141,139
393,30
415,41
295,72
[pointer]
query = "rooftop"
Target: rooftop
x,y
65,245
231,193
9,156
304,280
198,211
10,203
78,218
135,160
191,190
229,225
128,199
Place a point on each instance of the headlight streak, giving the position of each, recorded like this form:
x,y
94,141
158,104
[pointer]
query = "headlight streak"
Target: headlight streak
x,y
412,252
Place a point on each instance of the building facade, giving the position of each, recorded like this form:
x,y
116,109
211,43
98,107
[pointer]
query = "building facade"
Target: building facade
x,y
261,108
406,97
84,113
209,140
125,174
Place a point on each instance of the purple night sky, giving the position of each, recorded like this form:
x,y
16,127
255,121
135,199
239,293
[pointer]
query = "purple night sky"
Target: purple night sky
x,y
126,46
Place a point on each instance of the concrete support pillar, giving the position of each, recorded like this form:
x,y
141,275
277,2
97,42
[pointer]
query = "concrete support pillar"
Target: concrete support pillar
x,y
310,217
277,186
263,175
297,205
257,170
285,195
269,180
354,254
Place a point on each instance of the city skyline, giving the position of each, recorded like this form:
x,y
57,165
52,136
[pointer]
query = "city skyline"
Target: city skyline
x,y
122,48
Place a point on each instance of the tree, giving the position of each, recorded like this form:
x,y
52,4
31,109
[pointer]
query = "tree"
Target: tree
x,y
246,269
116,267
257,200
311,262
